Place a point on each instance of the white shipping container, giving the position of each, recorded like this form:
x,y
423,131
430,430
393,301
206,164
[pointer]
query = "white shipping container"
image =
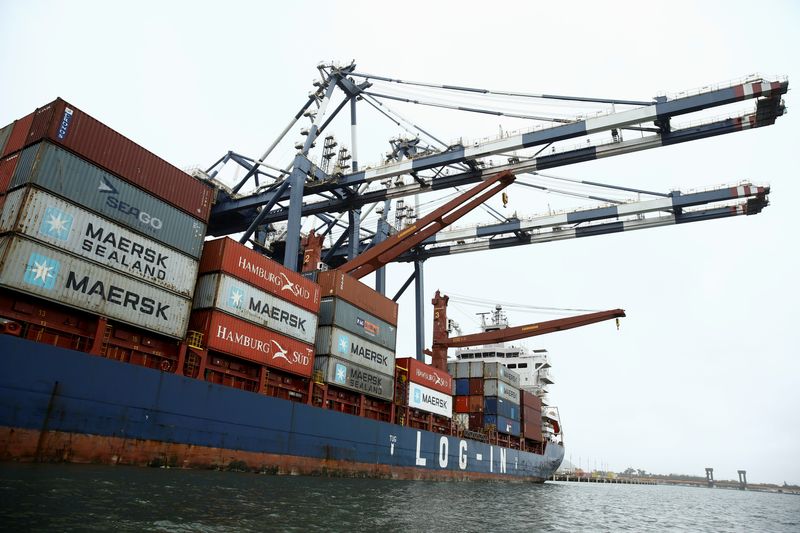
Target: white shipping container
x,y
65,226
34,268
429,400
235,297
340,343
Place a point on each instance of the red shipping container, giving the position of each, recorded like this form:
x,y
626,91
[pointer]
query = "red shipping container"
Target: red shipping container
x,y
476,386
427,376
475,404
532,430
16,140
7,166
528,414
89,138
232,336
348,288
462,404
528,399
476,421
229,256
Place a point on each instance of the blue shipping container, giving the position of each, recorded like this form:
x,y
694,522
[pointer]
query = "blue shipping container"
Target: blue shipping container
x,y
499,406
503,424
462,387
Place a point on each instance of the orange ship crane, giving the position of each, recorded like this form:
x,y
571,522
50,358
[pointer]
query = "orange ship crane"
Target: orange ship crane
x,y
442,341
396,245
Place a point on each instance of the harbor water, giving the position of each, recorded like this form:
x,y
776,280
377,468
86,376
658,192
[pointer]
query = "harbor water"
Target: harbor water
x,y
46,497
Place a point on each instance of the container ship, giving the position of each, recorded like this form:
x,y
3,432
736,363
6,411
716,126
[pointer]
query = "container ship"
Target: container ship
x,y
131,336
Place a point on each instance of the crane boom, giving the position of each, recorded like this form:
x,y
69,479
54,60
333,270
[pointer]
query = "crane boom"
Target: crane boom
x,y
442,341
529,330
388,250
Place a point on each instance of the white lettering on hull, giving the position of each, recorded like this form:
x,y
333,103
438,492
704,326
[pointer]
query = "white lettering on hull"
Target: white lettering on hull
x,y
421,461
443,449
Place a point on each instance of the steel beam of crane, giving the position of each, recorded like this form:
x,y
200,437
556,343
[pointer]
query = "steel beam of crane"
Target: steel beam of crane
x,y
745,121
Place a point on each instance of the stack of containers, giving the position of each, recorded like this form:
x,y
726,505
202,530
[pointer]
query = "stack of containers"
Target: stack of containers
x,y
487,394
531,416
357,336
94,221
251,307
502,397
429,389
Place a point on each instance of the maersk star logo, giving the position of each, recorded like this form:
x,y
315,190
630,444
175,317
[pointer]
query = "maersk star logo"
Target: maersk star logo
x,y
235,297
56,224
341,373
502,389
41,271
417,396
344,344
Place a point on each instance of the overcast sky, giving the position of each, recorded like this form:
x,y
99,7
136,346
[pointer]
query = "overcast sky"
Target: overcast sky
x,y
703,372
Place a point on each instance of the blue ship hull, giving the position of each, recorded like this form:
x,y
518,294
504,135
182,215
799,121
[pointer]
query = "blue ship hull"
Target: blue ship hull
x,y
62,405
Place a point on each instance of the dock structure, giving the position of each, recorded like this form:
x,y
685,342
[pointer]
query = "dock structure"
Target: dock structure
x,y
742,479
710,477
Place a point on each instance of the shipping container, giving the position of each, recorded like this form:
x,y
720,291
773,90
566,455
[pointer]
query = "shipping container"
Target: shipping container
x,y
458,369
338,312
476,421
65,125
7,166
476,386
58,171
528,413
429,400
476,369
37,269
229,256
503,424
58,223
498,406
501,372
343,344
461,420
19,132
528,399
351,376
462,387
494,387
427,375
475,404
462,404
234,336
5,132
336,283
228,294
532,430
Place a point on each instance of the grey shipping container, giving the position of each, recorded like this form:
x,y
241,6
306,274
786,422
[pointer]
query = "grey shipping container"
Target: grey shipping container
x,y
494,387
354,377
66,226
461,370
476,369
58,171
240,299
340,343
501,372
338,312
37,269
5,131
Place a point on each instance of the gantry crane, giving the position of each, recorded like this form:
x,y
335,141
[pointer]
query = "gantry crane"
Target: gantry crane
x,y
329,191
